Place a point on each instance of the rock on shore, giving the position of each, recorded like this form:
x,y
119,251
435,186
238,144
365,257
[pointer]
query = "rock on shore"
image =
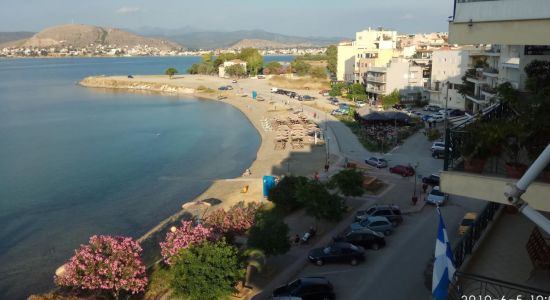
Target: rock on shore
x,y
122,83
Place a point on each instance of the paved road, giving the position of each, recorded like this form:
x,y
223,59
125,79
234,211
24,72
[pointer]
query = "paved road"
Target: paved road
x,y
396,271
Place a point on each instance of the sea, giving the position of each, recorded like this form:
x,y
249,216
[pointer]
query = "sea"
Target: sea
x,y
76,161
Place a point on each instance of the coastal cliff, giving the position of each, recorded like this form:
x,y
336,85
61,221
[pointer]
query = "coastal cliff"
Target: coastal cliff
x,y
131,84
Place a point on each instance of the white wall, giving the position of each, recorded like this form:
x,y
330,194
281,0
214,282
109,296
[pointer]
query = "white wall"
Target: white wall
x,y
346,63
502,10
448,66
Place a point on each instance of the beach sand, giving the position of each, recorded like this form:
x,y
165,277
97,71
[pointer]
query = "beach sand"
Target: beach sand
x,y
226,192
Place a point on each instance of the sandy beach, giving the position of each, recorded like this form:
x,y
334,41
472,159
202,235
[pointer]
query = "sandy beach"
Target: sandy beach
x,y
224,193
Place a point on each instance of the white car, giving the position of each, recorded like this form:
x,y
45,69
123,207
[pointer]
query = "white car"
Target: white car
x,y
360,103
436,118
377,162
438,146
436,196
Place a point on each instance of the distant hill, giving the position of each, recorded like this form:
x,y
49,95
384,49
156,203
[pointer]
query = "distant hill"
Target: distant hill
x,y
80,36
221,39
14,36
266,44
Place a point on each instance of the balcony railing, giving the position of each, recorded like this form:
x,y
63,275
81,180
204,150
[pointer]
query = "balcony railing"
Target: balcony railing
x,y
465,285
375,90
376,78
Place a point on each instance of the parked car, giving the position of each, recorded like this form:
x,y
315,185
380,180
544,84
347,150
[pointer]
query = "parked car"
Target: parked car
x,y
456,113
130,76
438,146
229,87
307,98
365,238
437,153
339,112
234,81
402,170
389,211
292,94
222,88
432,180
260,77
432,108
274,90
398,106
467,222
375,223
425,118
260,98
443,111
324,92
436,118
306,288
337,253
377,162
437,197
360,103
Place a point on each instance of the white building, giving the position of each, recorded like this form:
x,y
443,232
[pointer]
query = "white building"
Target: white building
x,y
399,74
377,44
229,63
448,67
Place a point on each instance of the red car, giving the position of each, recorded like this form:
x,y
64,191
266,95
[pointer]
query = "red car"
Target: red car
x,y
402,170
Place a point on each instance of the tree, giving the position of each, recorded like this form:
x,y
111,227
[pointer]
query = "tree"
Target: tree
x,y
332,58
183,237
389,100
235,71
349,182
274,67
319,202
284,193
207,58
206,271
170,72
107,263
269,233
253,58
318,72
356,92
337,88
300,67
237,220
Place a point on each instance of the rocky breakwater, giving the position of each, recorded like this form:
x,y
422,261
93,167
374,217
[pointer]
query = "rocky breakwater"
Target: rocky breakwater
x,y
134,84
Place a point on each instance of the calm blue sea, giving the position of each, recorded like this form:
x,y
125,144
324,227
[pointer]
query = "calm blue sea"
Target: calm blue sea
x,y
76,162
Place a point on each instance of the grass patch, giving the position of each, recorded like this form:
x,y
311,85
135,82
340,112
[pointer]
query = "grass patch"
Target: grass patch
x,y
204,89
301,83
159,282
375,188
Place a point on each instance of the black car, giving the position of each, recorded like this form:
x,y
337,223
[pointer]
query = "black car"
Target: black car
x,y
306,288
456,113
337,253
365,238
292,94
391,212
432,180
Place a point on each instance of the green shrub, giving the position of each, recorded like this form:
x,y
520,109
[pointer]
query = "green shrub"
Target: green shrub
x,y
269,233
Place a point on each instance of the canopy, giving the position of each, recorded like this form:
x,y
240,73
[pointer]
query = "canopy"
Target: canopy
x,y
387,116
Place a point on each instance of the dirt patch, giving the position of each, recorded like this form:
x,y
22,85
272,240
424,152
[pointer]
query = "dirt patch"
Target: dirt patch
x,y
300,83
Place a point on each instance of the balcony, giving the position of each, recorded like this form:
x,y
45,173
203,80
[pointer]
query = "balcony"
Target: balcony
x,y
375,90
490,72
381,79
488,91
512,63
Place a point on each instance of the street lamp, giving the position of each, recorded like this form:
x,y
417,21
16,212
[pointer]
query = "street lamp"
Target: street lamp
x,y
414,198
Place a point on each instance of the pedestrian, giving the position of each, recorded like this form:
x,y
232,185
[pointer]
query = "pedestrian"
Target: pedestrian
x,y
315,115
326,167
296,239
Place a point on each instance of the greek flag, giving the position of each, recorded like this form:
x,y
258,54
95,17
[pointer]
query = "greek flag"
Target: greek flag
x,y
443,265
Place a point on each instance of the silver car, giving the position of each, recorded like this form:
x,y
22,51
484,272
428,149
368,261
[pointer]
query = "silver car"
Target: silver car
x,y
374,223
377,162
436,196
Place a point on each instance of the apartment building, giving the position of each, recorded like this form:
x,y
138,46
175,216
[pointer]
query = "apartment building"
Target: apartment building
x,y
374,46
399,74
448,67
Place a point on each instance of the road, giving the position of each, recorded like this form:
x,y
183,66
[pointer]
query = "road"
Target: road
x,y
396,271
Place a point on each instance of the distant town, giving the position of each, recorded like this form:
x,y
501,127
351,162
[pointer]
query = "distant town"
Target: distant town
x,y
140,50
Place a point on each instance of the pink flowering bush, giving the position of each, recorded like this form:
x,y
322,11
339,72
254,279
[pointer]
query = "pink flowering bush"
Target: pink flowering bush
x,y
107,263
182,238
237,220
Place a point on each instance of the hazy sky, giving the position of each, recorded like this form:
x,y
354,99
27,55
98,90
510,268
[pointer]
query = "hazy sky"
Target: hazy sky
x,y
293,17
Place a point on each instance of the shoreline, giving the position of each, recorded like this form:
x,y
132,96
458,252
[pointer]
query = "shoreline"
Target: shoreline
x,y
224,192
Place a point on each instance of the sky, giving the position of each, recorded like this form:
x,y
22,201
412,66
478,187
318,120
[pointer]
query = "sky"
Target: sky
x,y
320,18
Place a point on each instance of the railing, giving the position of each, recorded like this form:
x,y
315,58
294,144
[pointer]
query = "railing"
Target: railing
x,y
376,78
469,286
466,1
468,241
